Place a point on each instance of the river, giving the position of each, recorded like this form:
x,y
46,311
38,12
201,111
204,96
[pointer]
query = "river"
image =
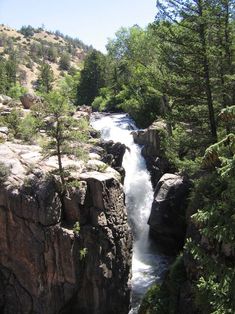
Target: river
x,y
147,264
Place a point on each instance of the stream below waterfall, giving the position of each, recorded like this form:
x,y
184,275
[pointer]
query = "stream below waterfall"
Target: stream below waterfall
x,y
147,264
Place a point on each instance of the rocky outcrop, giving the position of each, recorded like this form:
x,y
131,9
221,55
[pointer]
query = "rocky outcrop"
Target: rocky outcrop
x,y
113,155
4,131
167,218
153,152
46,265
7,104
151,138
5,99
29,99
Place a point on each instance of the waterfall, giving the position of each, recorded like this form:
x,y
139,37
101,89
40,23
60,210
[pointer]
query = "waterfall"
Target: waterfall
x,y
147,263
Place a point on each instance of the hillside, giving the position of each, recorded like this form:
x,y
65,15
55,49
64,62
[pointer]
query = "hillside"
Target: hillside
x,y
30,47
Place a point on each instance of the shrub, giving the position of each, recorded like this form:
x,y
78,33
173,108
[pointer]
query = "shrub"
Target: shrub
x,y
76,228
28,128
99,103
27,31
16,91
83,253
4,172
12,121
163,298
64,62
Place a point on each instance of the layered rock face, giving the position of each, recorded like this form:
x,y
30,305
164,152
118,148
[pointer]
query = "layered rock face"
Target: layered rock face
x,y
167,219
113,156
48,267
151,139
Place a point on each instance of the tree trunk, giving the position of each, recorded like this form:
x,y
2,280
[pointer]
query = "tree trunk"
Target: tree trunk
x,y
207,76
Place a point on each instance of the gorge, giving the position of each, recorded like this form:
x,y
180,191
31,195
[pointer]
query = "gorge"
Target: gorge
x,y
117,167
147,263
61,255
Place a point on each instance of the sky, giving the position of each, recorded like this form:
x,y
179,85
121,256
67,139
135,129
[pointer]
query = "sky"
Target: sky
x,y
92,21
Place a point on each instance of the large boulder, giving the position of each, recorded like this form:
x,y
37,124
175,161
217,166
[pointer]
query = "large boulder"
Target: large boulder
x,y
167,218
47,265
29,99
4,131
5,99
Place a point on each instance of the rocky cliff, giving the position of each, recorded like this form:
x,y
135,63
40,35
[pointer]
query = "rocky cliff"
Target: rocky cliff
x,y
168,213
70,255
152,140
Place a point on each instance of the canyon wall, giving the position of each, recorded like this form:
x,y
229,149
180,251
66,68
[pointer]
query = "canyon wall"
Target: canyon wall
x,y
58,255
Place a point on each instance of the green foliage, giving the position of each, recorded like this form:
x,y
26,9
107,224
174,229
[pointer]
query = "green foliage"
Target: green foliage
x,y
16,91
76,228
68,86
8,73
219,292
27,31
214,288
223,154
183,151
132,75
64,62
197,36
102,168
99,103
3,77
45,79
74,184
214,198
29,127
52,54
12,121
4,172
64,133
92,78
82,253
163,298
228,114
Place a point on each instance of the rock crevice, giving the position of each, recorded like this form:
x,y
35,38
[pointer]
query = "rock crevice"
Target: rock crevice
x,y
48,267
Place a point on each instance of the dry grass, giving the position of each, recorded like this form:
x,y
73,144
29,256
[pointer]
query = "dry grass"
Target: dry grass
x,y
32,74
49,38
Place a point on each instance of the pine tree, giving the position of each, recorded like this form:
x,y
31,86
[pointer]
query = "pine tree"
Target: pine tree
x,y
63,131
45,79
193,45
92,78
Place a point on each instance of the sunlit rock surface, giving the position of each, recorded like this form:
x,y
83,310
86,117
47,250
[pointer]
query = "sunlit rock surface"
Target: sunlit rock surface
x,y
45,266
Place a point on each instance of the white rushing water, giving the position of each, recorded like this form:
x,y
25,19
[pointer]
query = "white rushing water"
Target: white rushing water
x,y
147,264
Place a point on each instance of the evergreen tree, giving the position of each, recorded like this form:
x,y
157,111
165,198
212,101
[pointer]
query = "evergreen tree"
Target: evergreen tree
x,y
92,78
52,54
195,38
63,131
65,62
27,31
3,77
45,79
11,70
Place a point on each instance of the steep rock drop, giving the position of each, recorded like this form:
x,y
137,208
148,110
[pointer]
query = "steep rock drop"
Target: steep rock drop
x,y
45,266
147,263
